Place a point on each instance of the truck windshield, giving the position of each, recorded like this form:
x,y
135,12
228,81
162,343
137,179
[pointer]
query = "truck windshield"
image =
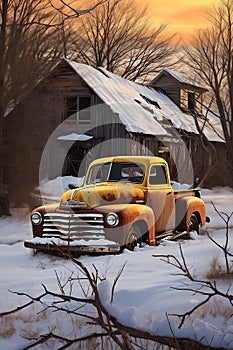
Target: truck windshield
x,y
117,171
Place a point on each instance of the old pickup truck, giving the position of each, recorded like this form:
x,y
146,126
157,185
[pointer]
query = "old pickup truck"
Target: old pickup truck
x,y
124,201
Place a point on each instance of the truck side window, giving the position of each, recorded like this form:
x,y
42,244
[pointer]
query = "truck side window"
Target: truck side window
x,y
98,173
157,175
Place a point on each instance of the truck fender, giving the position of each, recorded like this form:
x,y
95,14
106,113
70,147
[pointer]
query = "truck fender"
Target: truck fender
x,y
130,214
185,207
142,216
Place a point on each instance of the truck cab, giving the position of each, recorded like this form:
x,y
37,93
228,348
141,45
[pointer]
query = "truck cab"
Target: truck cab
x,y
124,201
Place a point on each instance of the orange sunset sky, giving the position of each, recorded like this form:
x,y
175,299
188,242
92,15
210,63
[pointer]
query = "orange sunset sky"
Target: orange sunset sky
x,y
183,16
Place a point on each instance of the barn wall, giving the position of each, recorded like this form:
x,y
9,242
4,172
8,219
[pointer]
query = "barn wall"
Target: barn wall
x,y
29,126
208,161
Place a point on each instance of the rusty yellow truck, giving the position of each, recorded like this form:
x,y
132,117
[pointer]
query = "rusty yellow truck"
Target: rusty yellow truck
x,y
124,201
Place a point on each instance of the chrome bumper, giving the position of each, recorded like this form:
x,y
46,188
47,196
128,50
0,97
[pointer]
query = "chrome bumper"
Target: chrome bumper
x,y
66,248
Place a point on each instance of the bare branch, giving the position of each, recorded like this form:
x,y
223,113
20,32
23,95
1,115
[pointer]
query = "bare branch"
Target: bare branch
x,y
44,338
191,311
116,280
72,12
84,11
19,308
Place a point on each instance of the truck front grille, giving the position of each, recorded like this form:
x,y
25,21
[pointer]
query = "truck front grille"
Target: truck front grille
x,y
73,226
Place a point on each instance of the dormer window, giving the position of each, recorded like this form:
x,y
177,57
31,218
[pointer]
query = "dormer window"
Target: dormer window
x,y
191,101
188,101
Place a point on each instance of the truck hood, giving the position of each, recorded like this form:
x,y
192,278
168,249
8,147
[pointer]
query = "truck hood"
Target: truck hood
x,y
103,194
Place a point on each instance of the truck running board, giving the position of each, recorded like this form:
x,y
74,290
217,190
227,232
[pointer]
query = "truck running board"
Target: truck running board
x,y
172,235
178,235
165,234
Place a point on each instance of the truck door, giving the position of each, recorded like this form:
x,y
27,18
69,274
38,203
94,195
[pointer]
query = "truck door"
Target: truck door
x,y
161,198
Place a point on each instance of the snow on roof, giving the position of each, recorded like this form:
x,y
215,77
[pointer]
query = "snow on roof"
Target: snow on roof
x,y
142,109
75,137
120,96
213,123
182,78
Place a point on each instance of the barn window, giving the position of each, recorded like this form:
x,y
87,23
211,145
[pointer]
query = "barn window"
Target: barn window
x,y
84,109
71,106
79,104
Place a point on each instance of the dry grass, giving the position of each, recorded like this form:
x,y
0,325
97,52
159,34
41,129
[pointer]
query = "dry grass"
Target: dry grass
x,y
7,326
217,271
27,324
21,214
215,308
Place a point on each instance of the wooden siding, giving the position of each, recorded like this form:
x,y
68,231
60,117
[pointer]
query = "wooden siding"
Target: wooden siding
x,y
184,100
170,86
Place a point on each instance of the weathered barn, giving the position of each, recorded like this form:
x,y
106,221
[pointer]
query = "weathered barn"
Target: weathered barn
x,y
78,113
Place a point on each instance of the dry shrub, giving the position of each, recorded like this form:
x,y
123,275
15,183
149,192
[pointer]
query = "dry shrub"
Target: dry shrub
x,y
217,271
215,308
21,214
28,323
7,327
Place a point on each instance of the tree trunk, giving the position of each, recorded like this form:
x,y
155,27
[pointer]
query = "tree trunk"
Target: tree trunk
x,y
4,203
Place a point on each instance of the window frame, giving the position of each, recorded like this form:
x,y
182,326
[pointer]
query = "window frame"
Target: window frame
x,y
163,166
84,110
191,101
131,164
77,111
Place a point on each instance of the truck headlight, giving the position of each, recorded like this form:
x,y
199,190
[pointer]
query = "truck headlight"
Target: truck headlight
x,y
112,219
36,218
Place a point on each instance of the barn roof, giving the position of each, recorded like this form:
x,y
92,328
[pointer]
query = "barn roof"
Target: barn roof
x,y
141,109
120,95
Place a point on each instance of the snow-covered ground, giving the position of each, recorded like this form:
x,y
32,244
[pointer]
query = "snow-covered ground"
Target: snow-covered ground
x,y
143,294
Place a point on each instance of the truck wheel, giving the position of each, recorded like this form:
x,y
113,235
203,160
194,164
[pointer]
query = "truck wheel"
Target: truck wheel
x,y
193,224
133,238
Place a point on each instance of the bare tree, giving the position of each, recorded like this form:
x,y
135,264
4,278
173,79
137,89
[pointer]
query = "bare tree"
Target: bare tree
x,y
210,57
117,36
4,9
29,46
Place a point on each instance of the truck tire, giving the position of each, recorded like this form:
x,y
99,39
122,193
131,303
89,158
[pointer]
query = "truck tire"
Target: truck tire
x,y
194,224
133,237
